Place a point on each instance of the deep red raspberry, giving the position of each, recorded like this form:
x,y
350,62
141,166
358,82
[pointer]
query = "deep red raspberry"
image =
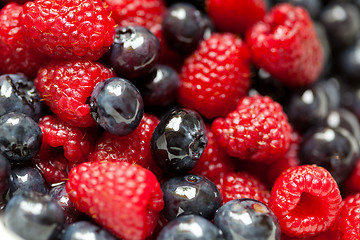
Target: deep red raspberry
x,y
235,16
214,162
306,200
132,148
242,185
66,86
258,130
286,45
124,198
352,184
349,221
16,54
71,29
215,76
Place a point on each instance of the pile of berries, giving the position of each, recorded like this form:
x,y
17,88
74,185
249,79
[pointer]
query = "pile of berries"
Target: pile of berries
x,y
180,119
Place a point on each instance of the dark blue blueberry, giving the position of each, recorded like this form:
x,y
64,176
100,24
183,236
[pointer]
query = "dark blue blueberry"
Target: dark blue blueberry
x,y
190,227
117,106
350,97
20,137
26,179
18,94
349,61
184,26
335,149
179,140
5,171
190,194
307,108
247,219
332,89
60,195
312,6
134,53
160,88
342,23
34,216
84,230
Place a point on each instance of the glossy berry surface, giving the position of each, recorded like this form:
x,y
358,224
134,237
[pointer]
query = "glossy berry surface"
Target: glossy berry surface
x,y
18,94
117,106
336,149
184,26
348,61
43,222
179,140
247,219
190,227
84,230
20,137
190,194
5,171
24,179
134,53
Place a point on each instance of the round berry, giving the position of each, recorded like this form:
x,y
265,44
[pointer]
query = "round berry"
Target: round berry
x,y
84,230
116,104
179,140
190,194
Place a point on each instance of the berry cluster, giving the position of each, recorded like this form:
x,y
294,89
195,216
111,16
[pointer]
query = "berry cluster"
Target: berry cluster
x,y
180,119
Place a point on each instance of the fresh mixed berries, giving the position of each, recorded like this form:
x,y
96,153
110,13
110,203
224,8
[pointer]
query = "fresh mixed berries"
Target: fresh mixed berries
x,y
180,119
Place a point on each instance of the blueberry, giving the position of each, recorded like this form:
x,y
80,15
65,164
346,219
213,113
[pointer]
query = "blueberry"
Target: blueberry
x,y
160,88
5,172
34,216
26,179
116,104
84,230
332,89
349,62
179,140
190,194
60,195
184,26
134,53
18,94
335,149
190,227
20,137
247,219
312,6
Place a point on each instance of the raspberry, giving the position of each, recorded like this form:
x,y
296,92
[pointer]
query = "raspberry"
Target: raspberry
x,y
132,148
352,184
124,198
257,130
215,76
66,86
241,185
285,44
349,221
17,55
214,161
306,200
71,29
235,16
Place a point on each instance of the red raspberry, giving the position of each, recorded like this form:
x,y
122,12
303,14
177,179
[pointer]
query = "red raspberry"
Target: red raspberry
x,y
215,76
257,130
16,54
71,29
242,185
235,16
306,200
124,198
349,221
214,162
132,148
286,45
352,184
66,86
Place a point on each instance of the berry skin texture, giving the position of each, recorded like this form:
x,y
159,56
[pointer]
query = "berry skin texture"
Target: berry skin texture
x,y
65,86
306,200
235,16
257,130
349,221
215,76
286,45
68,29
124,198
17,55
242,185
